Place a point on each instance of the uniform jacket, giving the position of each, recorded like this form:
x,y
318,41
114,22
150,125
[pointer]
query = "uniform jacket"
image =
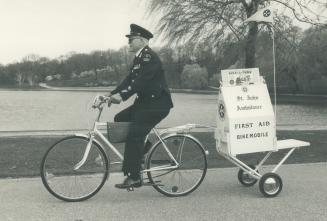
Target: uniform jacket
x,y
146,78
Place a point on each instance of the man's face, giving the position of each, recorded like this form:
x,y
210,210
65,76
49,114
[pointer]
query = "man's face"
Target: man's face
x,y
135,43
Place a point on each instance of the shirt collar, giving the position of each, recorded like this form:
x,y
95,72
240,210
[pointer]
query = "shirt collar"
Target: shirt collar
x,y
139,51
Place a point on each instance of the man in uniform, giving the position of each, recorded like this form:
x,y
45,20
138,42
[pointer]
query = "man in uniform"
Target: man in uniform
x,y
152,104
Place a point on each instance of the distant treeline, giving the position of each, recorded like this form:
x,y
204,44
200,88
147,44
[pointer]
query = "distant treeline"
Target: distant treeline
x,y
301,64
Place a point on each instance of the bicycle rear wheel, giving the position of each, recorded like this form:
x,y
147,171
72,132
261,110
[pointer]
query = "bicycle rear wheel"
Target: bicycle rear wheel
x,y
187,174
65,182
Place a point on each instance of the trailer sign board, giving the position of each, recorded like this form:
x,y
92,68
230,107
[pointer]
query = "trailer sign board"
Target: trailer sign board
x,y
233,77
245,117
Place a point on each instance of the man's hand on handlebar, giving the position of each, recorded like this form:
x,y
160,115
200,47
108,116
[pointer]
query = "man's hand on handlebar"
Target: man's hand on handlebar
x,y
107,98
111,99
115,99
108,95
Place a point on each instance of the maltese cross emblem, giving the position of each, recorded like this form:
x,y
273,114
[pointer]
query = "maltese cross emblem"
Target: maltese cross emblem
x,y
221,111
266,13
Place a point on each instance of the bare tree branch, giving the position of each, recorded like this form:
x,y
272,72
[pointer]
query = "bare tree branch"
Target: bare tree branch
x,y
301,10
214,20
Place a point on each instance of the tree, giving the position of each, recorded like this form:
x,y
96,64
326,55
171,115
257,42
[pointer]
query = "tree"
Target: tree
x,y
4,76
174,61
288,38
29,70
208,57
211,21
75,63
194,77
312,60
171,66
98,61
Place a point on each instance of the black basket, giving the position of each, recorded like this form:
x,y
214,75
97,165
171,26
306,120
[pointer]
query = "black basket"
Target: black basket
x,y
117,132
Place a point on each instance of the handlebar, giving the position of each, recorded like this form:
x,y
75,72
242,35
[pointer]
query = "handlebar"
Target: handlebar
x,y
100,100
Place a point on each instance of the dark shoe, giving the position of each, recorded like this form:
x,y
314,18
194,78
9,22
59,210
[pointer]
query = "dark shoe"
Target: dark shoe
x,y
129,183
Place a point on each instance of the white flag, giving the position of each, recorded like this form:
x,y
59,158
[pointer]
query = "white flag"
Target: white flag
x,y
262,15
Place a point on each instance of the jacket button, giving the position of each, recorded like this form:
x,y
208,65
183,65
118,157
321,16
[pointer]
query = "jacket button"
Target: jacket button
x,y
129,88
152,96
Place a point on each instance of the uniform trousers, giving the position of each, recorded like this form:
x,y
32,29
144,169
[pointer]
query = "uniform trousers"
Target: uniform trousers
x,y
143,115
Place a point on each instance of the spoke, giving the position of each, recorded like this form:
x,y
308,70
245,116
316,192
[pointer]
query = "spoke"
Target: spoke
x,y
180,180
182,177
189,173
180,150
173,177
80,185
164,173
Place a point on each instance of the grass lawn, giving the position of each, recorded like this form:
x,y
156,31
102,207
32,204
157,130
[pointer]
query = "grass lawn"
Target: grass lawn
x,y
21,156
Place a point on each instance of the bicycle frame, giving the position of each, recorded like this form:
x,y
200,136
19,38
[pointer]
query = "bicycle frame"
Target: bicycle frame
x,y
96,132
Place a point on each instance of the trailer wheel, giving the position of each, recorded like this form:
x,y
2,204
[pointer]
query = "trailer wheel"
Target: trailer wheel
x,y
270,184
245,179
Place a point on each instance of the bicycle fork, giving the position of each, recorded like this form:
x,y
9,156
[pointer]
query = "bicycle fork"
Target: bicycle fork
x,y
86,154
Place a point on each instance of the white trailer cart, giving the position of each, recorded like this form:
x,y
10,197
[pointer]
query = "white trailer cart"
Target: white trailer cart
x,y
246,124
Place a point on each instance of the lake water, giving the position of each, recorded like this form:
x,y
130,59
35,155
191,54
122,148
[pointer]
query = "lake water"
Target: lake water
x,y
66,110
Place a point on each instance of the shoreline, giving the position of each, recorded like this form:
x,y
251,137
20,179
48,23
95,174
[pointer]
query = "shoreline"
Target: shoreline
x,y
281,97
44,86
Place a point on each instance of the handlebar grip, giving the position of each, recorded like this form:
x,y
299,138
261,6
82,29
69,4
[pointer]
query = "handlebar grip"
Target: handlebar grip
x,y
113,100
100,100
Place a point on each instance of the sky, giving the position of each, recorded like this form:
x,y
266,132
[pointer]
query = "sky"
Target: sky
x,y
52,28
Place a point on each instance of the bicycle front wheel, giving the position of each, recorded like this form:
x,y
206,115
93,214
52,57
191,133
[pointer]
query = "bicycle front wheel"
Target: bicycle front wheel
x,y
179,179
60,175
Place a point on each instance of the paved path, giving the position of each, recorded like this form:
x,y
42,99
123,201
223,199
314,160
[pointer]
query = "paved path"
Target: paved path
x,y
220,197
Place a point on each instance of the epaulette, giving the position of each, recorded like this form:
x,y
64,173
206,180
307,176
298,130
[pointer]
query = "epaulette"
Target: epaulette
x,y
145,55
